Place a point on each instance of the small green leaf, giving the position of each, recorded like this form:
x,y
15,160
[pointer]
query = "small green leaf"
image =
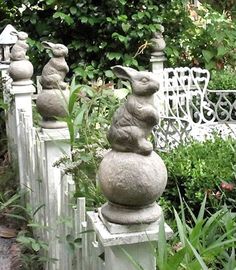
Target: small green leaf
x,y
221,51
123,2
140,15
114,55
109,74
208,55
121,93
50,2
73,10
125,27
64,17
35,246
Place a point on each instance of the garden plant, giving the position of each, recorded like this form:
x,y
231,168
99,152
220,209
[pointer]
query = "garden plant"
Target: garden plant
x,y
201,185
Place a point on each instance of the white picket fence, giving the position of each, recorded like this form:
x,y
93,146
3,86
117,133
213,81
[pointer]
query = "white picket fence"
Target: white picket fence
x,y
60,219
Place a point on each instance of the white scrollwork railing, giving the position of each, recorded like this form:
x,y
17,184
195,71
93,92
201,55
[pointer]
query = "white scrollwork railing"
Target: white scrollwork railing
x,y
185,105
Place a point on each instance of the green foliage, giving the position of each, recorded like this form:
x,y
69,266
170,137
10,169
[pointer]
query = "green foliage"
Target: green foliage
x,y
220,38
201,37
21,217
90,109
222,80
200,167
201,242
227,6
31,246
103,33
99,34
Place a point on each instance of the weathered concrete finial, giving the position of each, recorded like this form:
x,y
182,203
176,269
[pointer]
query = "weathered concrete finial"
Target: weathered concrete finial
x,y
131,175
158,42
6,42
51,102
158,56
21,69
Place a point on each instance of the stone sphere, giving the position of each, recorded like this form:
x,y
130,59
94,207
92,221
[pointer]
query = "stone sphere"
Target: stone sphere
x,y
132,179
21,70
52,103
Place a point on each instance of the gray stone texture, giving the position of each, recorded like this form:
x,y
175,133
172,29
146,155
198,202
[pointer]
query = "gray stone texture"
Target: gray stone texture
x,y
131,179
52,101
133,122
20,69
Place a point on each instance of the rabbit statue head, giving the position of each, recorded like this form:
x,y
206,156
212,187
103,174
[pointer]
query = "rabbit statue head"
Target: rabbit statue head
x,y
133,121
58,50
143,83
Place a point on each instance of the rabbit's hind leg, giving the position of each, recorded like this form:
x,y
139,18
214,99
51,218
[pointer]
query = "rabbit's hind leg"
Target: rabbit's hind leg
x,y
144,147
138,142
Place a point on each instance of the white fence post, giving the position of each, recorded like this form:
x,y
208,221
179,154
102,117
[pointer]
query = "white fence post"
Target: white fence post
x,y
126,246
21,102
158,56
56,145
20,97
157,65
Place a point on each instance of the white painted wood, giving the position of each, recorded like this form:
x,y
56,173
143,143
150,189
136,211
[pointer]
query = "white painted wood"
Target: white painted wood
x,y
132,257
22,102
91,239
79,214
84,246
123,249
108,239
56,144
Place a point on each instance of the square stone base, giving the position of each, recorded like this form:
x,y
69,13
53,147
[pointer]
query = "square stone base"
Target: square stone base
x,y
110,234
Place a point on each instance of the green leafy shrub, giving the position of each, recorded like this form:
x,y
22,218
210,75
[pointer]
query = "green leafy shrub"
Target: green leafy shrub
x,y
200,242
200,167
100,34
222,80
205,39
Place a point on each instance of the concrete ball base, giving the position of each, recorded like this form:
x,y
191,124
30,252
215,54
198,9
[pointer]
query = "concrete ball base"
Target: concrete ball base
x,y
21,70
129,216
132,183
53,124
52,104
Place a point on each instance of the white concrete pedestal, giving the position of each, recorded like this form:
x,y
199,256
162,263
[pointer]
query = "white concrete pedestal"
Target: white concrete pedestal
x,y
129,249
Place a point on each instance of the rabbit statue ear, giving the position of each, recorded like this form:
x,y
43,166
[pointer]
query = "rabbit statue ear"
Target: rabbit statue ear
x,y
14,33
47,44
124,72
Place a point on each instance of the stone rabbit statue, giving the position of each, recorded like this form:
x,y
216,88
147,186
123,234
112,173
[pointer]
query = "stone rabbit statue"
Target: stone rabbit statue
x,y
54,72
18,51
133,121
